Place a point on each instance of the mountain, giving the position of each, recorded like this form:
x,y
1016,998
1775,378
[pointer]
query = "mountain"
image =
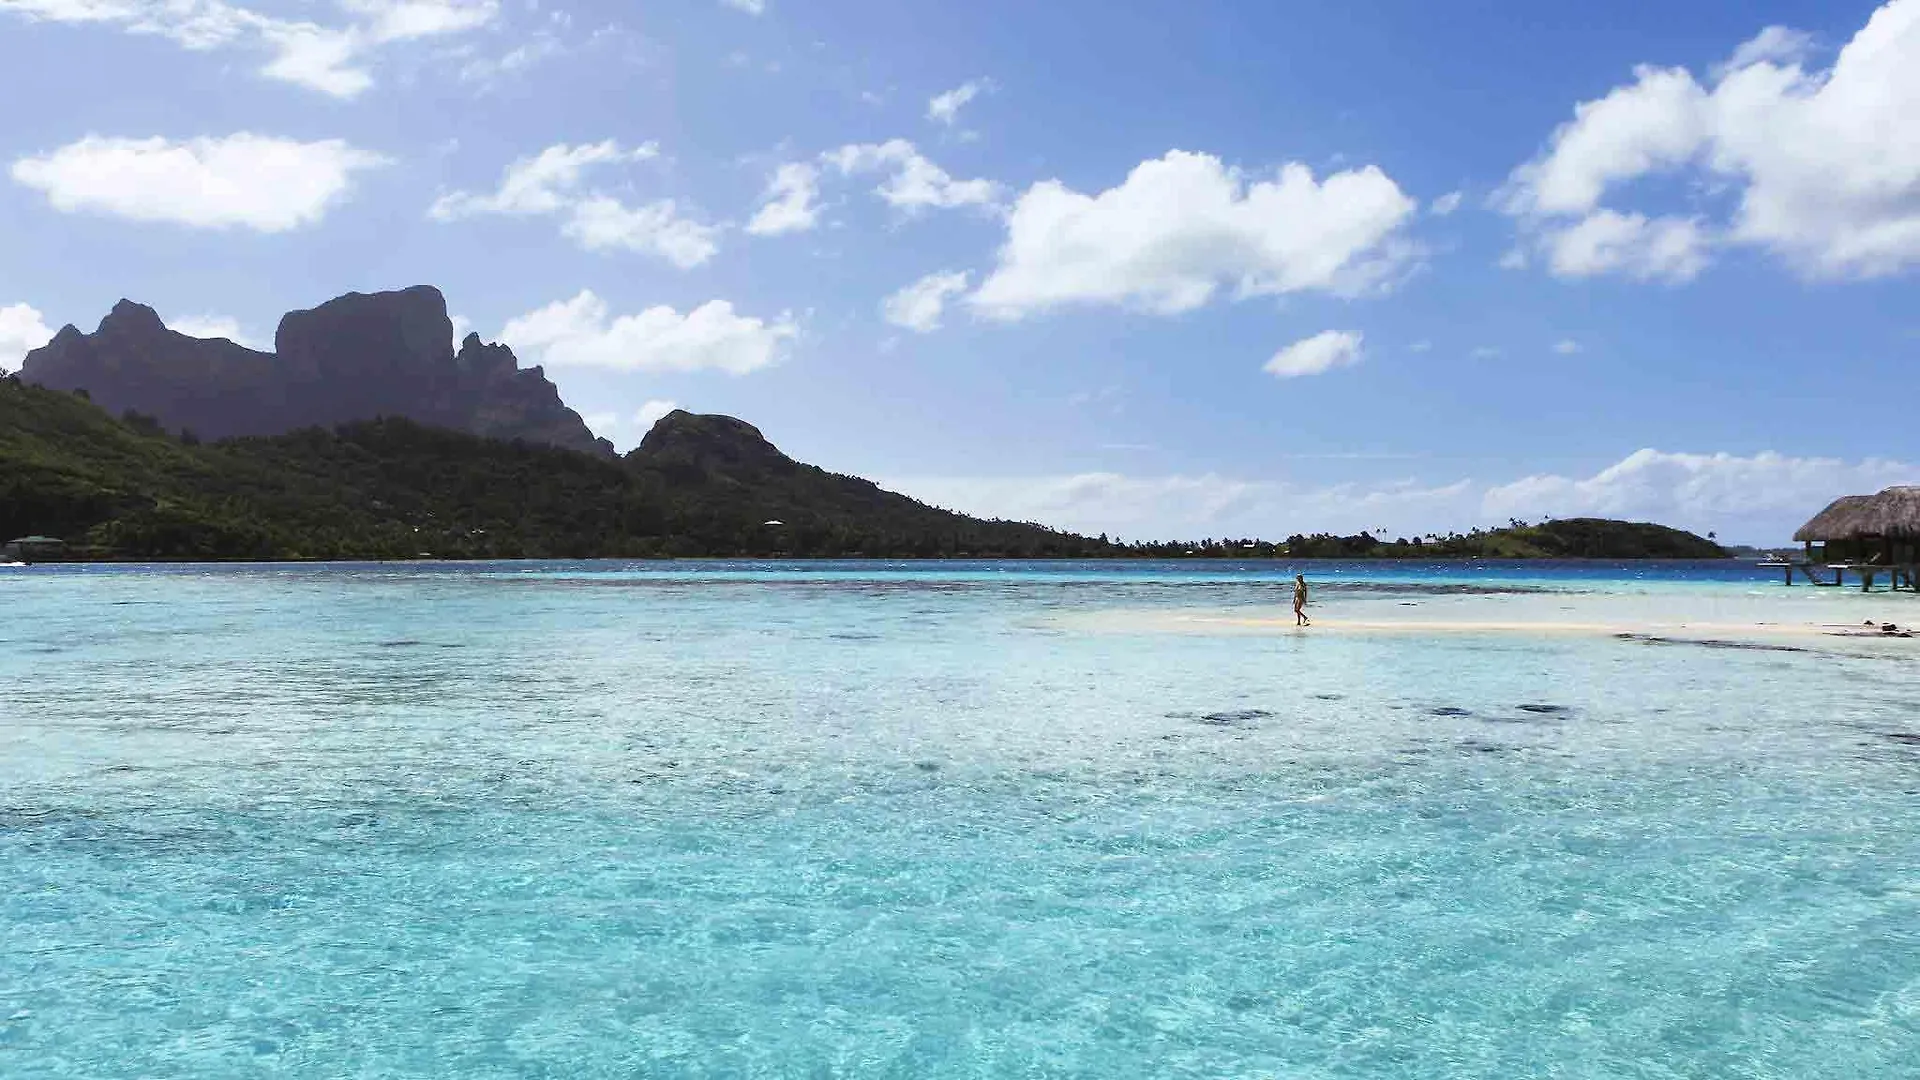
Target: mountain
x,y
392,488
357,357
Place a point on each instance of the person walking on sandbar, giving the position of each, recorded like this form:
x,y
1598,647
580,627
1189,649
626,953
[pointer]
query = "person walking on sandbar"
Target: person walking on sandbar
x,y
1300,601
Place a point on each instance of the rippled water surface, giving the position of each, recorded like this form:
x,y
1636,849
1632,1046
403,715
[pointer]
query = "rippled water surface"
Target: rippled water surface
x,y
932,820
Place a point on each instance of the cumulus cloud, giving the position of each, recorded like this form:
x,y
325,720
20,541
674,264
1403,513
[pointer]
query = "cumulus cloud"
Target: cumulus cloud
x,y
1605,241
241,181
651,412
1774,44
1182,226
1187,507
751,7
1446,204
1566,346
487,70
405,20
1760,498
544,183
945,108
913,182
1324,351
22,330
918,306
788,205
1816,180
552,184
1763,496
332,59
581,332
604,223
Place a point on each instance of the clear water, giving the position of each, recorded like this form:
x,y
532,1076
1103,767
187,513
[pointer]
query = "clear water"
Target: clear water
x,y
942,820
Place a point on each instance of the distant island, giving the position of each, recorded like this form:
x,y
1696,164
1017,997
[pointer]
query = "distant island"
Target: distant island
x,y
368,436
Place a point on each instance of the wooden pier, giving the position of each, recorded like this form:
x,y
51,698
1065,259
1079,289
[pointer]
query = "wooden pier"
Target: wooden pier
x,y
1903,577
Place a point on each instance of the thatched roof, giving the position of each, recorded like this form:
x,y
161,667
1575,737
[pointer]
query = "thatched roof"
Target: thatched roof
x,y
1894,513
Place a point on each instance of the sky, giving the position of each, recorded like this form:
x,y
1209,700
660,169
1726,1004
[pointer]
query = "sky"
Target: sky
x,y
1159,270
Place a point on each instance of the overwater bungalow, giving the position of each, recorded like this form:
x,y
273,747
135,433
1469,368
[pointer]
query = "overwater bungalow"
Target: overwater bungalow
x,y
31,549
1868,535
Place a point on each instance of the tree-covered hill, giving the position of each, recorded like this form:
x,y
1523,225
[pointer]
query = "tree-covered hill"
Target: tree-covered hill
x,y
1565,538
701,485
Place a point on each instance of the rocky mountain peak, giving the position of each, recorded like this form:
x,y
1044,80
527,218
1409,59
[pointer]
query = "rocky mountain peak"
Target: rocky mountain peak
x,y
355,357
713,442
128,317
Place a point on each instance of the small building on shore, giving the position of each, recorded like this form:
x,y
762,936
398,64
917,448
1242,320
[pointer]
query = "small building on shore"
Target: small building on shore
x,y
1866,533
32,549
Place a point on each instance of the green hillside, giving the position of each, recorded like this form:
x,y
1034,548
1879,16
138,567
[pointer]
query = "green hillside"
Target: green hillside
x,y
394,489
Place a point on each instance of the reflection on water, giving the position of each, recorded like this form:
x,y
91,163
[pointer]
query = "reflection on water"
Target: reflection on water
x,y
943,820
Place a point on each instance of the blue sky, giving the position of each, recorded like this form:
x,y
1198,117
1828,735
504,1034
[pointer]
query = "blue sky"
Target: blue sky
x,y
1152,269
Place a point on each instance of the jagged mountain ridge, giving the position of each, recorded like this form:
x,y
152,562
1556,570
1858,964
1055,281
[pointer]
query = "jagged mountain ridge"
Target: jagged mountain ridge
x,y
356,357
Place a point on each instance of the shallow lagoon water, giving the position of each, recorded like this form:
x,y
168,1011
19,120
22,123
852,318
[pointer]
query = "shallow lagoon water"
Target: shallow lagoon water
x,y
954,819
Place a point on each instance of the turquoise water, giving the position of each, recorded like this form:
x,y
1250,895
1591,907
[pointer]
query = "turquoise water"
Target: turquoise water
x,y
942,820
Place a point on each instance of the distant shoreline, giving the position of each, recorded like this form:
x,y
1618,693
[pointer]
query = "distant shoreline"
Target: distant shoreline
x,y
1274,560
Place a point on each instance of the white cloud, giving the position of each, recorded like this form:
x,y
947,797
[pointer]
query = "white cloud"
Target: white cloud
x,y
1657,122
1819,184
545,183
405,20
600,423
316,58
604,223
1484,352
945,108
918,306
751,7
580,333
22,330
1774,44
487,70
1189,507
330,59
1762,498
462,326
1423,345
1324,351
1182,226
913,183
1446,204
247,181
788,205
213,326
1606,241
1758,499
651,412
1566,346
551,183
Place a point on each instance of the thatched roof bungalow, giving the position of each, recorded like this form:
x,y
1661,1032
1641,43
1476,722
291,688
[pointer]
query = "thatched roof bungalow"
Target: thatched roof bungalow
x,y
1833,523
1881,528
28,548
